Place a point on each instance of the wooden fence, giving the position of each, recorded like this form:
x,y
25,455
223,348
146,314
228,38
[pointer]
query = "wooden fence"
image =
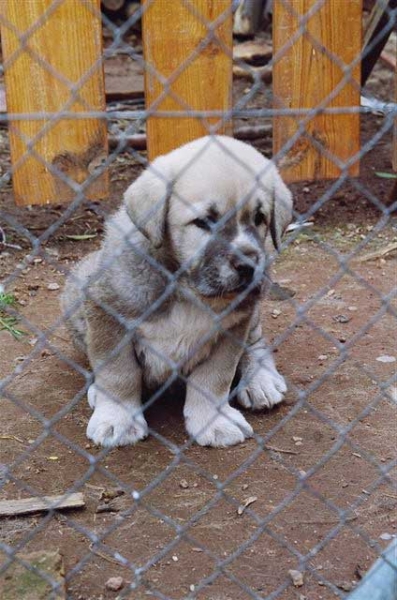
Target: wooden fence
x,y
55,89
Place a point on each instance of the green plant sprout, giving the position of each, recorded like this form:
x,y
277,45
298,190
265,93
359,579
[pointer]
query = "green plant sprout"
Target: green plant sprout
x,y
8,322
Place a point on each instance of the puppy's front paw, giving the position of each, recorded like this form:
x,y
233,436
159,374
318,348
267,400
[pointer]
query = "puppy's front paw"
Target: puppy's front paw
x,y
112,425
263,388
218,429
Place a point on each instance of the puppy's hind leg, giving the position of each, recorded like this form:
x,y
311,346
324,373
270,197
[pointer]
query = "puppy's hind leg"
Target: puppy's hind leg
x,y
115,396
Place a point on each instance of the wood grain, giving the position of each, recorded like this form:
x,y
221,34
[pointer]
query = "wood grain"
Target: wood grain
x,y
179,61
63,49
24,506
310,74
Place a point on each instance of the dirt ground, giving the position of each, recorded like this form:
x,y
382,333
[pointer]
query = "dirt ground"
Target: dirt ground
x,y
165,515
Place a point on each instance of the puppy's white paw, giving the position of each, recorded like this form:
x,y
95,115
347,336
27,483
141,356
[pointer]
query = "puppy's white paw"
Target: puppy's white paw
x,y
218,429
264,388
112,425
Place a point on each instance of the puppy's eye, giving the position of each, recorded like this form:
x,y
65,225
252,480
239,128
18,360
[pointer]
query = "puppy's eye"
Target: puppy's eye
x,y
259,218
205,223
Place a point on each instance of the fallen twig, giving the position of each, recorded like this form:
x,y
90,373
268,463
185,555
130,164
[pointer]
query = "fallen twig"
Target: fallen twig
x,y
274,449
105,557
379,253
11,437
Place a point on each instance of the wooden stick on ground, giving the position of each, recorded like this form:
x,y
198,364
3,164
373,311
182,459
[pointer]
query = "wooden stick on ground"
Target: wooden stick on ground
x,y
24,506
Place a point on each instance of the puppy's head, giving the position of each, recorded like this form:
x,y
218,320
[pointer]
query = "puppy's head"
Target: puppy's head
x,y
217,201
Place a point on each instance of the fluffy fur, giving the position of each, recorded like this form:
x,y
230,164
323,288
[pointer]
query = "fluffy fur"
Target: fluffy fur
x,y
174,291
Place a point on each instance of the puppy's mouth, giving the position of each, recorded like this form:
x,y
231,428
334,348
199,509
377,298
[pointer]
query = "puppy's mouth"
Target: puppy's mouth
x,y
247,290
242,290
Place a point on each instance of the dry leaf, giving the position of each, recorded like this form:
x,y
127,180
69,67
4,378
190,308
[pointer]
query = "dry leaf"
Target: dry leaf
x,y
245,504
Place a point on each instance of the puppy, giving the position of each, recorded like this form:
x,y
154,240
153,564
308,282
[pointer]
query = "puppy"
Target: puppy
x,y
174,292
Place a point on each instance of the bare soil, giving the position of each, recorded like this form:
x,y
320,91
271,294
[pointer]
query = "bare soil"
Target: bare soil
x,y
164,514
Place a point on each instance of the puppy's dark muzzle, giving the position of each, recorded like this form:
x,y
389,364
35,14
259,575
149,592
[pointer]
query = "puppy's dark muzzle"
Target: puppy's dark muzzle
x,y
245,266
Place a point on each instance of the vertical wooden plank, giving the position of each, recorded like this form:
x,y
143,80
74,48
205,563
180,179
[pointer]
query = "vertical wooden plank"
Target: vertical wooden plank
x,y
67,37
305,74
199,73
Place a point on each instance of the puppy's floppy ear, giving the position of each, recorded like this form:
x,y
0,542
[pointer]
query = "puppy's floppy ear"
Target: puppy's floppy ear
x,y
281,213
146,201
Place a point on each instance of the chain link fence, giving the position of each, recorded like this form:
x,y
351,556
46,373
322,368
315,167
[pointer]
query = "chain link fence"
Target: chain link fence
x,y
293,502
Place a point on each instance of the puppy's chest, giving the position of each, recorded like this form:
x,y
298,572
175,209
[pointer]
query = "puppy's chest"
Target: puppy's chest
x,y
183,337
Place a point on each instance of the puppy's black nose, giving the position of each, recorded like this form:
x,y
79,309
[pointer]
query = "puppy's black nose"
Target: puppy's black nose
x,y
245,265
245,272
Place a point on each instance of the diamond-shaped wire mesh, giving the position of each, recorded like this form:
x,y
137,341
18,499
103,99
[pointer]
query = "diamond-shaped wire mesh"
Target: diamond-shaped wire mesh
x,y
168,300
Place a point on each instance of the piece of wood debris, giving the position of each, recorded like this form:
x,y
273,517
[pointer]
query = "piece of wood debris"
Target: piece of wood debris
x,y
265,73
253,132
389,59
113,4
382,252
20,582
281,450
24,506
246,503
297,577
137,141
248,17
254,52
11,437
123,79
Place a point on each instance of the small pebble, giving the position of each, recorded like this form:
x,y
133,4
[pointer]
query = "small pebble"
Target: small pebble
x,y
114,584
297,577
53,286
387,536
341,319
183,484
386,359
346,586
175,558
